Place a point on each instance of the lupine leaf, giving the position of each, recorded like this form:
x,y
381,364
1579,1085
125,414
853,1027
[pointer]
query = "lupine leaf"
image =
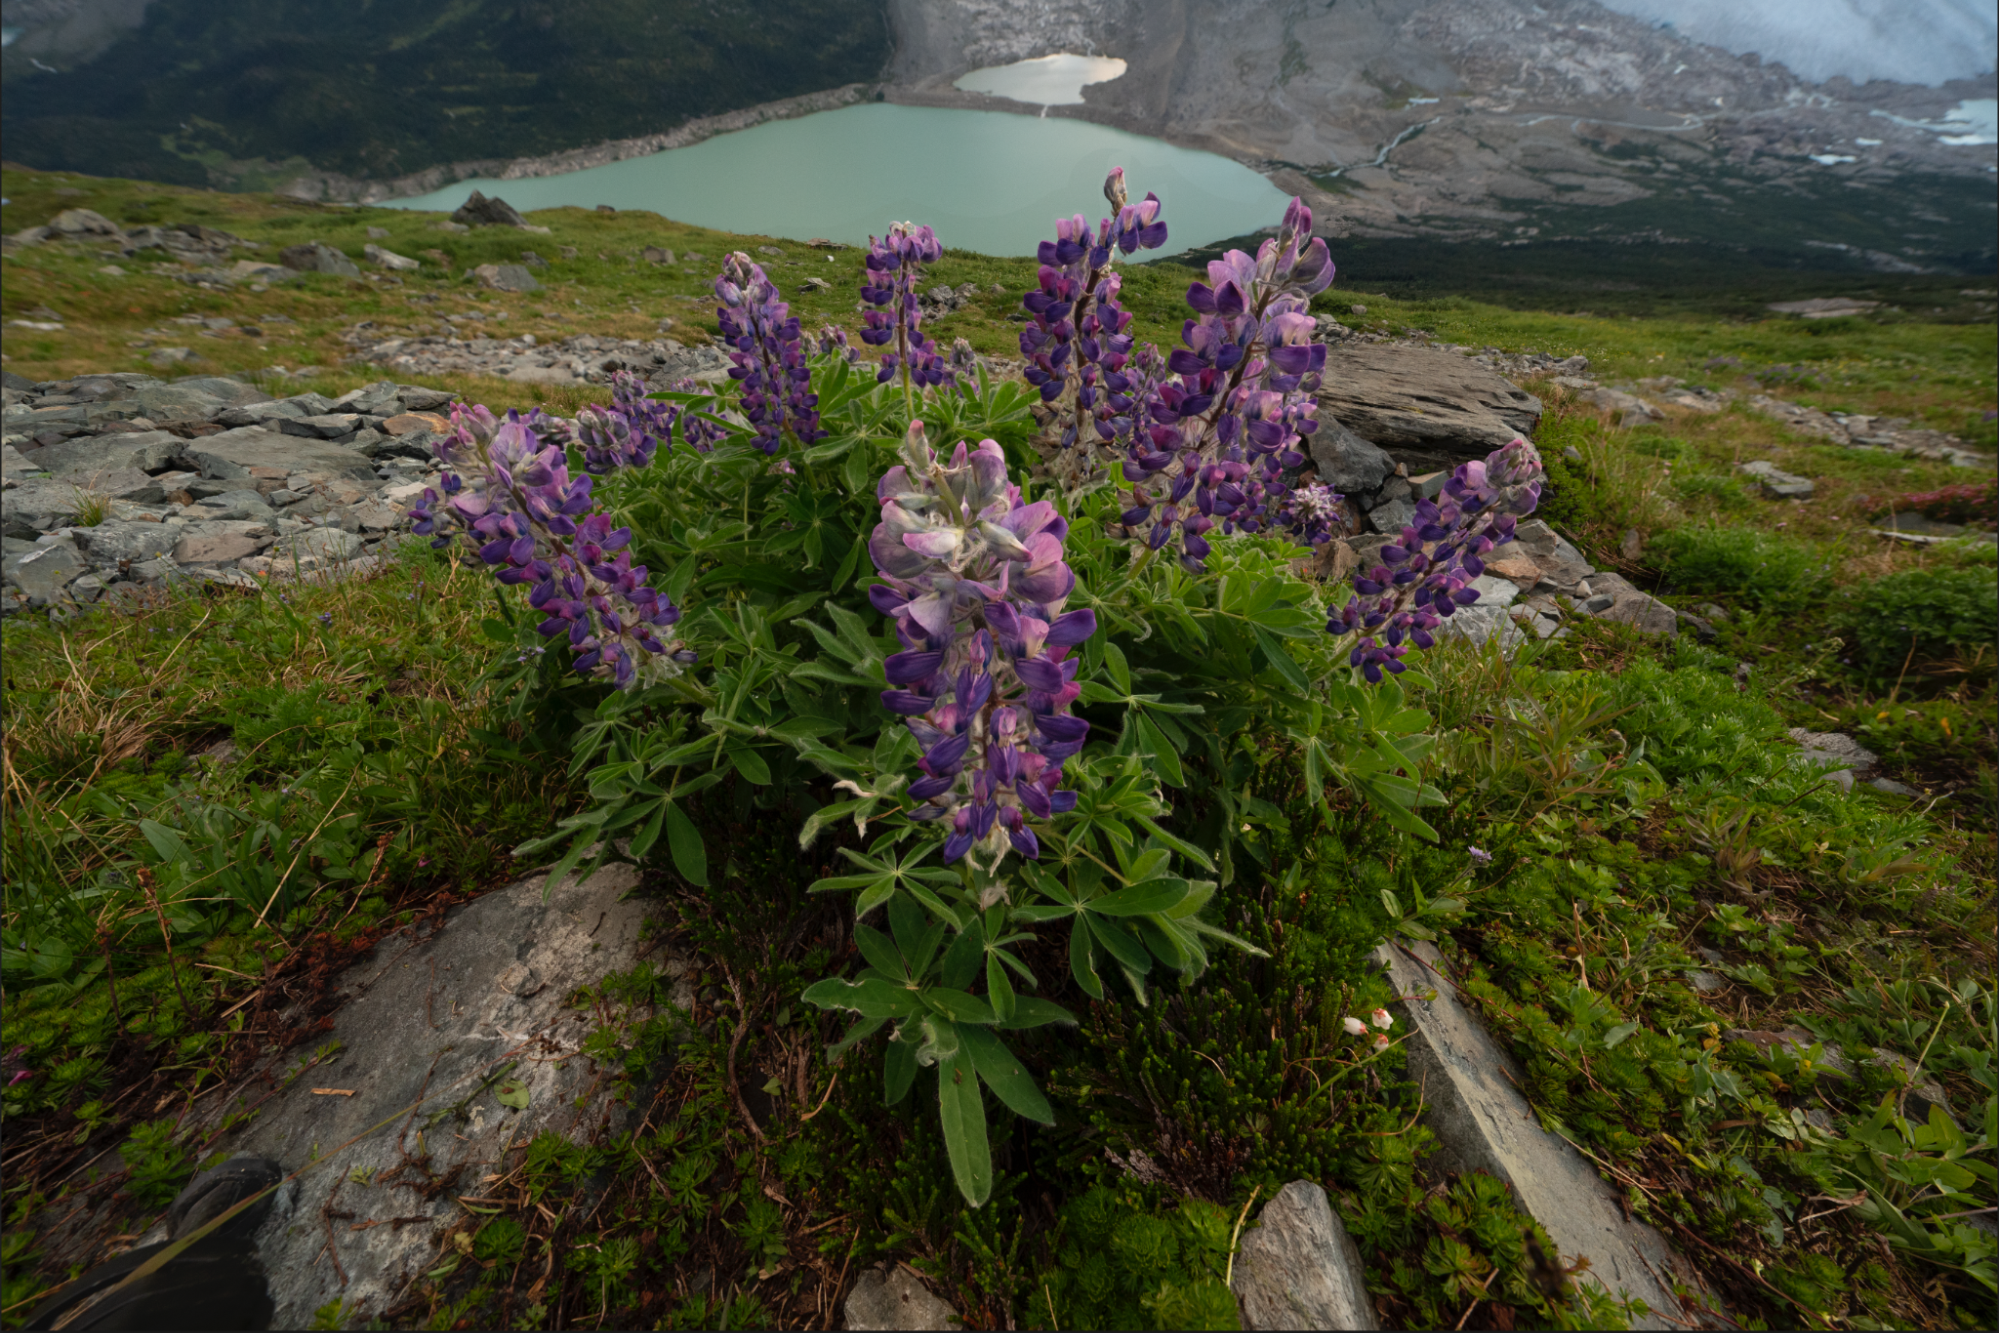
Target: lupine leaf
x,y
1082,961
898,1072
1153,896
963,1114
1005,1075
870,997
690,856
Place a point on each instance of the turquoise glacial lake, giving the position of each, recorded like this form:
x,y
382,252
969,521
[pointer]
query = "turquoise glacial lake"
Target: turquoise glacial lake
x,y
987,181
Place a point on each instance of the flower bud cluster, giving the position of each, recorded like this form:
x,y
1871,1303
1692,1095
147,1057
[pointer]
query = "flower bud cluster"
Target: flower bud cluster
x,y
509,492
1222,430
1077,341
895,272
833,343
1424,574
763,340
975,581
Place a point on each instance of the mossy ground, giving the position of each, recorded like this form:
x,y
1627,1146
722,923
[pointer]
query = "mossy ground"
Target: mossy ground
x,y
1634,796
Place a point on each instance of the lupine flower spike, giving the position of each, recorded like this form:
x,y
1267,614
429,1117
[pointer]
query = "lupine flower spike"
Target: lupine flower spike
x,y
1222,425
975,581
1424,575
1077,344
764,343
895,271
510,493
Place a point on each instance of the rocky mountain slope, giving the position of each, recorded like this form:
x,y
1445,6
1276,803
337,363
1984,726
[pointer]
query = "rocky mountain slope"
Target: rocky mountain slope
x,y
1501,119
243,94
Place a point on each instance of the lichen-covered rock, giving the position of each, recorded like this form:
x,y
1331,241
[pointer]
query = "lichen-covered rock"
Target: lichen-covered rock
x,y
1298,1268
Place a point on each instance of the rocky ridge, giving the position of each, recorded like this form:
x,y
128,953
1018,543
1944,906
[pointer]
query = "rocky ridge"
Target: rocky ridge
x,y
118,484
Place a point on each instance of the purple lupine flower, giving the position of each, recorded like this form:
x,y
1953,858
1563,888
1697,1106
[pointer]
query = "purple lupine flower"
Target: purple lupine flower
x,y
509,492
975,581
1423,575
764,343
895,270
1223,428
1077,343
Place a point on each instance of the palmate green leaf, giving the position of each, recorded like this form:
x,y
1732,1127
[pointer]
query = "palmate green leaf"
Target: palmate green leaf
x,y
959,1007
1005,1075
963,1114
1280,661
1119,943
879,951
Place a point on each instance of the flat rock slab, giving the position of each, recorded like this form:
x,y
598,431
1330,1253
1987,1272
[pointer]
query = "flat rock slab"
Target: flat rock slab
x,y
1416,400
1299,1269
435,1022
233,453
1778,484
1484,1124
147,451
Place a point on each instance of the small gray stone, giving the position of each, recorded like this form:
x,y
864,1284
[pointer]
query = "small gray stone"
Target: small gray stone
x,y
1494,591
1480,623
87,589
215,550
1703,981
1299,1269
1778,484
894,1298
1391,516
324,546
1890,787
1832,749
325,426
159,570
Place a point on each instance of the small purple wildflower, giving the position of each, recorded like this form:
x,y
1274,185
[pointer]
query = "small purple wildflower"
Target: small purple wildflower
x,y
1479,855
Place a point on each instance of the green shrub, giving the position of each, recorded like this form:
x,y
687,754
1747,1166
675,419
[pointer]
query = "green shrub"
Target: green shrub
x,y
1924,616
1765,571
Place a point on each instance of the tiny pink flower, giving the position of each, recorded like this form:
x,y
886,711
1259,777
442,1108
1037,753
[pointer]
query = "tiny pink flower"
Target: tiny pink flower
x,y
1381,1042
1381,1019
1353,1026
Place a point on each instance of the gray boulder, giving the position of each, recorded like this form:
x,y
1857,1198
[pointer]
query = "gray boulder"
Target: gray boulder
x,y
37,506
119,484
1424,406
320,546
455,1021
46,571
78,223
318,257
325,426
1299,1269
505,278
121,540
1348,464
479,211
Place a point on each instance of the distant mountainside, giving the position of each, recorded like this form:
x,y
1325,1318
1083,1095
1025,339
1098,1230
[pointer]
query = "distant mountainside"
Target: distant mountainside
x,y
251,93
1509,122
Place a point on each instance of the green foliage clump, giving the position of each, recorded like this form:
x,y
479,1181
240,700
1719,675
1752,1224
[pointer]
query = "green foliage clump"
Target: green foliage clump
x,y
1922,617
160,1165
1121,1264
1762,569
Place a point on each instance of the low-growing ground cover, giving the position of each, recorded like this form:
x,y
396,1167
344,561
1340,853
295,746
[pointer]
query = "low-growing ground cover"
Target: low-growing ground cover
x,y
1624,860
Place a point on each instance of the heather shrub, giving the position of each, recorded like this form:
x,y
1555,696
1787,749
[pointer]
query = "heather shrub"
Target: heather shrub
x,y
1763,570
1925,619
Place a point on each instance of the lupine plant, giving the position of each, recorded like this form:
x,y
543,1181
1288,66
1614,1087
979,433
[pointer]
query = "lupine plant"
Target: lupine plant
x,y
999,710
